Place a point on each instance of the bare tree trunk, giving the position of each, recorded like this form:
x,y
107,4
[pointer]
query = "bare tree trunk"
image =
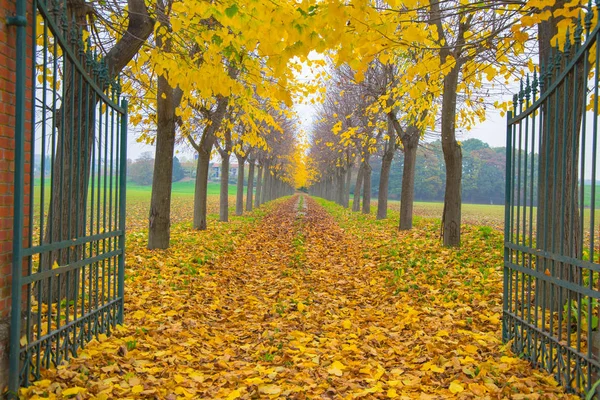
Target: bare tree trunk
x,y
239,200
358,188
250,190
259,186
410,143
224,193
201,190
386,165
366,208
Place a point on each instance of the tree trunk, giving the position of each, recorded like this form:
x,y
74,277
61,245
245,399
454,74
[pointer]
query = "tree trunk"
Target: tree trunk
x,y
259,186
386,165
357,189
239,200
201,190
410,143
272,187
366,208
266,184
224,193
347,187
204,149
451,217
340,176
159,229
249,191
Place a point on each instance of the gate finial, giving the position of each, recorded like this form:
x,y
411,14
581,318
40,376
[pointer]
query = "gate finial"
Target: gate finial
x,y
587,21
578,32
567,46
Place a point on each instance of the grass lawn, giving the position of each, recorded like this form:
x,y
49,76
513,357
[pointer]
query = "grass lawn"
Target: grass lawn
x,y
184,187
138,203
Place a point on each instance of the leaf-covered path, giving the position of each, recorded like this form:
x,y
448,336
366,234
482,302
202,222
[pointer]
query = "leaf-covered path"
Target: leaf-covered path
x,y
293,308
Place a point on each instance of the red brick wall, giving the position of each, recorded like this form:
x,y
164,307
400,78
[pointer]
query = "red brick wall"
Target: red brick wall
x,y
7,166
7,123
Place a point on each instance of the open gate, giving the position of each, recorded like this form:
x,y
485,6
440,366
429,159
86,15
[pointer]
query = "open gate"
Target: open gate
x,y
69,209
552,248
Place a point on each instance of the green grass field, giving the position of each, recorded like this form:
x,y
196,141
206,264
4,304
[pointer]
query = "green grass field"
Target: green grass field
x,y
142,192
138,203
181,188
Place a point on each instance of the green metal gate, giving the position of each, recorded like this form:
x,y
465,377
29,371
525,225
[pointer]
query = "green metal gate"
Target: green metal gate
x,y
552,254
69,210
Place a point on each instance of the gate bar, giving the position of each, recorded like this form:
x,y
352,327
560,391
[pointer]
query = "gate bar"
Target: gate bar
x,y
122,211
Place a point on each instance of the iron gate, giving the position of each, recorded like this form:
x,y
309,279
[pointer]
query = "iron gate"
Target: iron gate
x,y
552,254
69,210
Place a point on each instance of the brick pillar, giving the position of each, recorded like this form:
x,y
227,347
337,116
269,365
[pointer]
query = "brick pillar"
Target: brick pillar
x,y
7,123
7,163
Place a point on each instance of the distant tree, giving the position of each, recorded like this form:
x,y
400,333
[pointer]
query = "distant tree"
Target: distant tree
x,y
430,174
189,167
471,169
178,172
142,169
491,176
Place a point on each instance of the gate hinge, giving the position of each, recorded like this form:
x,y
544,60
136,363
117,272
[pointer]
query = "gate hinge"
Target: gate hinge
x,y
18,20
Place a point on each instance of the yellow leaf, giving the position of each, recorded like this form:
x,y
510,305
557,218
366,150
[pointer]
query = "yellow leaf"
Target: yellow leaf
x,y
392,393
456,387
253,381
42,383
73,391
269,389
137,389
435,368
234,395
336,368
183,392
197,377
346,324
470,349
301,307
